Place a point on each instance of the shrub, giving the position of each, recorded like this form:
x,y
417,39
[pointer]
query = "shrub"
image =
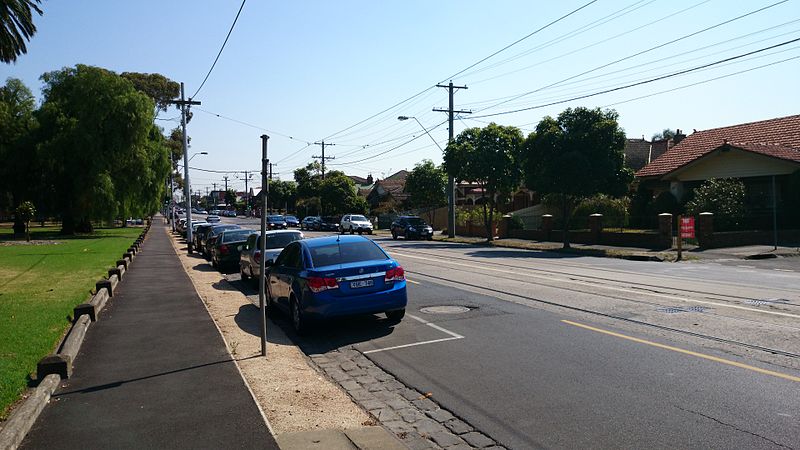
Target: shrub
x,y
723,197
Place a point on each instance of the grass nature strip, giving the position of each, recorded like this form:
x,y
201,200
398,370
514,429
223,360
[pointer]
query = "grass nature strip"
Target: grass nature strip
x,y
39,286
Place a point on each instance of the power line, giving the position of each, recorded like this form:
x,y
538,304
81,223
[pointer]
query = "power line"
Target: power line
x,y
241,122
651,80
220,51
637,54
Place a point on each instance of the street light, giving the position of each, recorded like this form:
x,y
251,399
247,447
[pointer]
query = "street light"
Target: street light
x,y
401,118
198,153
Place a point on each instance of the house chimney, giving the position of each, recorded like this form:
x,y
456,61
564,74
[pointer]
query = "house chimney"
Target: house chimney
x,y
369,179
679,136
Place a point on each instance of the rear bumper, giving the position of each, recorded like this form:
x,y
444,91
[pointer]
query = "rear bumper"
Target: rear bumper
x,y
328,306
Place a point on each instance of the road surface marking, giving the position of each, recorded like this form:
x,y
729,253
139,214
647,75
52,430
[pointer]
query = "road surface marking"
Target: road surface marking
x,y
620,289
747,267
453,336
687,352
784,270
412,282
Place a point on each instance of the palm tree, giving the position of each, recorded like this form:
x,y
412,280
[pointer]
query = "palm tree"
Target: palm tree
x,y
16,27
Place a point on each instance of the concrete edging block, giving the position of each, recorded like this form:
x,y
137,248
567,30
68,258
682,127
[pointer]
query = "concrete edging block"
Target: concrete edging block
x,y
115,271
122,263
85,309
114,280
58,364
72,344
23,418
105,284
98,301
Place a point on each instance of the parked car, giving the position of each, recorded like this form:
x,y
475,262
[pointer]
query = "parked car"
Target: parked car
x,y
207,239
250,258
329,223
229,213
200,231
226,248
184,226
411,227
212,218
311,223
291,221
336,276
276,222
355,223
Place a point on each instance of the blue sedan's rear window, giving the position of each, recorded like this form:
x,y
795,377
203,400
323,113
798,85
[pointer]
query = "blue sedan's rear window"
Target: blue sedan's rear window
x,y
345,253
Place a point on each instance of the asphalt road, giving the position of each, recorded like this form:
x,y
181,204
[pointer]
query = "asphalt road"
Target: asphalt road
x,y
541,350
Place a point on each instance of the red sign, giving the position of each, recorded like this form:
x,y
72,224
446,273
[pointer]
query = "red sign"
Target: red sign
x,y
687,227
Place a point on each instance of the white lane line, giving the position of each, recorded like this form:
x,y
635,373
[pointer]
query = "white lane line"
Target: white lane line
x,y
747,267
620,289
453,336
412,282
784,270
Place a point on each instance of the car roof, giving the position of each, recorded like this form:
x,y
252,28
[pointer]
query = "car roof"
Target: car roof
x,y
330,240
269,232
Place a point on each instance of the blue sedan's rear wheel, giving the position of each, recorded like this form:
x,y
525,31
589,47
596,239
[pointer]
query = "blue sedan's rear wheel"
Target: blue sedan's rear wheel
x,y
396,316
298,321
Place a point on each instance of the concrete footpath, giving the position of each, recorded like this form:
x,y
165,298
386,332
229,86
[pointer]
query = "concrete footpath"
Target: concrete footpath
x,y
153,372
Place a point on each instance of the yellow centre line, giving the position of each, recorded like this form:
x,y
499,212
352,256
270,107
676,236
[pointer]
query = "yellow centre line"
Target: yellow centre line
x,y
412,282
687,352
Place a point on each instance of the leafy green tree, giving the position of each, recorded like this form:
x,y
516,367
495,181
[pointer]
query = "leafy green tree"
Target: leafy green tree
x,y
575,156
338,195
666,133
25,212
230,197
16,27
722,196
97,139
282,194
19,173
156,86
487,156
426,186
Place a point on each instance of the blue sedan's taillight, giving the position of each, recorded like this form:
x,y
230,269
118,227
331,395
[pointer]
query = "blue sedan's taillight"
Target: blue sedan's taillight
x,y
396,274
319,284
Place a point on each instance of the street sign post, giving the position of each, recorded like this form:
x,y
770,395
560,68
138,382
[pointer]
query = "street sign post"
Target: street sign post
x,y
685,231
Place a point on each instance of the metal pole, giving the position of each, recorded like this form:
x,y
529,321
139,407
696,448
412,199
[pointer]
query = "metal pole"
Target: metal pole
x,y
187,186
451,182
774,214
262,300
171,197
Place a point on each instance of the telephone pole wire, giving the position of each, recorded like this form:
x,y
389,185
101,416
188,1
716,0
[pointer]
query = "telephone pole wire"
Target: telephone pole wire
x,y
451,184
323,157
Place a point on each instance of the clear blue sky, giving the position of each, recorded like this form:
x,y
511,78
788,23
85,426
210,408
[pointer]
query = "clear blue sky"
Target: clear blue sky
x,y
309,69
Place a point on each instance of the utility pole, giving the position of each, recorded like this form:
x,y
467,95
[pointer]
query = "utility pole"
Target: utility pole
x,y
323,157
226,189
247,176
270,173
262,300
187,189
451,183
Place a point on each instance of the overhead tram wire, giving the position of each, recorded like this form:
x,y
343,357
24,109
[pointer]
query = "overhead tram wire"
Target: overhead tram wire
x,y
651,80
566,36
685,86
330,136
220,51
391,149
638,53
586,47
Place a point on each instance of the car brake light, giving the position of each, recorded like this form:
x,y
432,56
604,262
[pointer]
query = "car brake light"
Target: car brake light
x,y
319,284
223,249
396,274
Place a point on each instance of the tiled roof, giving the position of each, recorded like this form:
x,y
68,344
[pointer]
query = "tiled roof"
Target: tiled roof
x,y
779,138
398,176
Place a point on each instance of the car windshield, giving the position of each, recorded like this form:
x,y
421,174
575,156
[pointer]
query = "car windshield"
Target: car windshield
x,y
280,240
345,253
291,218
236,235
275,218
358,219
415,221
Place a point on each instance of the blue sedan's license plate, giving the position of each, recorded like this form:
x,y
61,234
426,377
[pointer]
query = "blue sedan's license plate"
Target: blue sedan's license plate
x,y
360,284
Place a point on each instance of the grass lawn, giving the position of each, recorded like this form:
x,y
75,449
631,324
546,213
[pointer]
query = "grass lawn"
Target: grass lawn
x,y
39,286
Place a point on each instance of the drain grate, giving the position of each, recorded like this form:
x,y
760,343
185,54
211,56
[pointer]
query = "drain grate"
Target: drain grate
x,y
446,309
676,310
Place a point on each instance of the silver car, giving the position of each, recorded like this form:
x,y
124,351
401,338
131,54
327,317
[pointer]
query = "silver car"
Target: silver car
x,y
355,223
250,256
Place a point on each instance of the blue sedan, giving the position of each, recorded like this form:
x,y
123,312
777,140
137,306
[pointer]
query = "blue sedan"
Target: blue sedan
x,y
336,276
